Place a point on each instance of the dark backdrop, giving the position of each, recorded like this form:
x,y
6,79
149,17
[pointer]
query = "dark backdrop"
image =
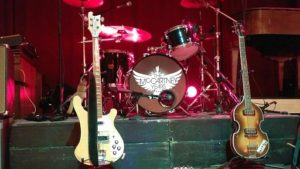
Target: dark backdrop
x,y
38,21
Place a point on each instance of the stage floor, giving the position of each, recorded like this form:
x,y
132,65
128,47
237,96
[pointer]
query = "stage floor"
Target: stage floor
x,y
200,140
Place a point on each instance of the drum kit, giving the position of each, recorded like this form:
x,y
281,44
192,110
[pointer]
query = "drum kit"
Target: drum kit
x,y
157,83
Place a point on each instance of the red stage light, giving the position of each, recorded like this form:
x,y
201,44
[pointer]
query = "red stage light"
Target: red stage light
x,y
191,91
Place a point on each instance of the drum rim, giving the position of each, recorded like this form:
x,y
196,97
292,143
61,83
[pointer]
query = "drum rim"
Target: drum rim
x,y
185,45
116,51
185,80
174,28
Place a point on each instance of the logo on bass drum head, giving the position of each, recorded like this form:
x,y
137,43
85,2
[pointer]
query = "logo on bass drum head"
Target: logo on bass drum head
x,y
157,81
159,75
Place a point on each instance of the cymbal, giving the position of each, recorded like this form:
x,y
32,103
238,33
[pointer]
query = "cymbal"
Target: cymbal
x,y
125,33
85,3
197,3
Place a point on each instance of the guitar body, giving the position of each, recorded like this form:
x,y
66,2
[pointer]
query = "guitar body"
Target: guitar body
x,y
110,144
249,141
100,143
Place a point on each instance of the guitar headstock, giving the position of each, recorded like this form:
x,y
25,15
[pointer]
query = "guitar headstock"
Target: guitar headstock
x,y
238,29
94,24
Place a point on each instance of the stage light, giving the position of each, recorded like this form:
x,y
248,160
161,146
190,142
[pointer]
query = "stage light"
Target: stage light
x,y
191,91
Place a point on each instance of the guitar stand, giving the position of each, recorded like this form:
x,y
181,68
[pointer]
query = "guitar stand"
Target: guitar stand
x,y
239,162
135,106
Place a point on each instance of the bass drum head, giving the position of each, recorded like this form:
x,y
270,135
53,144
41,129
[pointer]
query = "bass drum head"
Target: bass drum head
x,y
154,74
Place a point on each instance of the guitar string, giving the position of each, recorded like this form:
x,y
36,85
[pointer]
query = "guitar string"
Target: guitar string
x,y
246,100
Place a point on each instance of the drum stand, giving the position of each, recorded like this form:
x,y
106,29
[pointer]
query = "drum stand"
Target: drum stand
x,y
220,77
83,18
220,81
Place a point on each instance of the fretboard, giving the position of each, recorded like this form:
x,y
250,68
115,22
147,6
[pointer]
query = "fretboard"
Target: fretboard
x,y
245,75
97,75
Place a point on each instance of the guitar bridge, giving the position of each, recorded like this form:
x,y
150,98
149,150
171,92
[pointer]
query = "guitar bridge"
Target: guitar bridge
x,y
252,148
101,156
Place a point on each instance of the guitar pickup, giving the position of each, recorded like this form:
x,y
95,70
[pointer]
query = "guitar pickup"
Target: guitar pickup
x,y
248,113
103,137
250,132
100,122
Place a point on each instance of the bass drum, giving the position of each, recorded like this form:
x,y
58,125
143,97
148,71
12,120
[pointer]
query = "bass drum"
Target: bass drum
x,y
152,76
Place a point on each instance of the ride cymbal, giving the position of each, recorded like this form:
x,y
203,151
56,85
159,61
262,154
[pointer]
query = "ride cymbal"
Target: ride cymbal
x,y
84,3
125,33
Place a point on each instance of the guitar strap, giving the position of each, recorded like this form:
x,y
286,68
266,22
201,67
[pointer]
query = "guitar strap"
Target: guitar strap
x,y
92,120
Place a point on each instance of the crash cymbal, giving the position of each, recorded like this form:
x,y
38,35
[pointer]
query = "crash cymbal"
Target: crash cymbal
x,y
197,3
125,33
85,3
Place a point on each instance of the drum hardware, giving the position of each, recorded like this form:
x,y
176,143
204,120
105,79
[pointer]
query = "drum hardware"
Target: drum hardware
x,y
219,76
115,39
83,4
133,101
157,49
203,94
201,53
217,84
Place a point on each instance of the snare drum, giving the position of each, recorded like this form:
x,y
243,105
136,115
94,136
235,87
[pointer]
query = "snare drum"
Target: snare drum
x,y
180,42
155,74
114,66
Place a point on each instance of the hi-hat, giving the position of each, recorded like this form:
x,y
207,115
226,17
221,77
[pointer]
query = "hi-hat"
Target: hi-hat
x,y
85,3
197,3
125,33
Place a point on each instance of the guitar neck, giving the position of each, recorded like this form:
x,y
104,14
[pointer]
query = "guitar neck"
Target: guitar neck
x,y
245,74
97,75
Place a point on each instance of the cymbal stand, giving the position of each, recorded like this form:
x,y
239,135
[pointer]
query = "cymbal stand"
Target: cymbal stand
x,y
221,80
204,88
202,53
219,108
84,66
217,58
83,18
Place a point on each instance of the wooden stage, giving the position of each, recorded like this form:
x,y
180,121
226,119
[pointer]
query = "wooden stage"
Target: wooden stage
x,y
200,141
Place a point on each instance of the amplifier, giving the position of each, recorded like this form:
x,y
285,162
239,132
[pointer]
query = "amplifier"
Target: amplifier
x,y
7,83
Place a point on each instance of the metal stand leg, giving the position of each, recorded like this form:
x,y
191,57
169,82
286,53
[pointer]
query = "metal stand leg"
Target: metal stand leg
x,y
202,94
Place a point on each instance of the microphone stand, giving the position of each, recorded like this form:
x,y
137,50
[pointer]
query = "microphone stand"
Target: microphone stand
x,y
59,115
